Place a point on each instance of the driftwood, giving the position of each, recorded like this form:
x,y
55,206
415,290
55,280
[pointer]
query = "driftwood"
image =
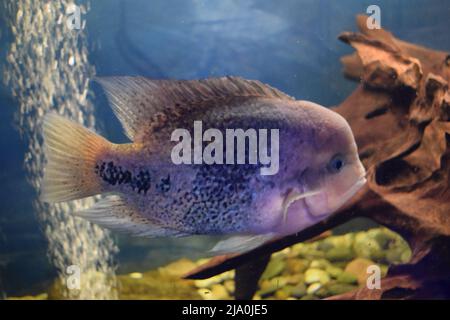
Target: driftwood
x,y
400,116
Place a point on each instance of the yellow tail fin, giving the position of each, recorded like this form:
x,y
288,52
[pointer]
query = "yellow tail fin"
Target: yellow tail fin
x,y
71,151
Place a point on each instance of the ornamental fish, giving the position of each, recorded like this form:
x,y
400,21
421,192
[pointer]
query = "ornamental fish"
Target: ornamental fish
x,y
147,194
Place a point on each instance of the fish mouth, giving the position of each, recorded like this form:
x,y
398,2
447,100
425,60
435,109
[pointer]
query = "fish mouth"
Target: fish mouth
x,y
342,200
294,195
302,199
351,192
354,188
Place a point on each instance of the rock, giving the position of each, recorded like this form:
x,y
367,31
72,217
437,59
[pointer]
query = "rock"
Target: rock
x,y
229,275
209,282
295,279
340,254
205,293
309,297
268,287
279,281
358,267
398,255
307,251
382,237
333,271
314,254
218,292
319,264
274,268
267,290
316,275
154,285
406,256
366,246
199,262
325,245
347,278
393,256
341,241
299,290
282,294
283,254
339,288
229,285
312,288
178,268
294,266
340,264
42,296
296,250
136,275
322,292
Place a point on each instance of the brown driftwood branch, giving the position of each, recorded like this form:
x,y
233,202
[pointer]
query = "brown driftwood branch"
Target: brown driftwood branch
x,y
400,116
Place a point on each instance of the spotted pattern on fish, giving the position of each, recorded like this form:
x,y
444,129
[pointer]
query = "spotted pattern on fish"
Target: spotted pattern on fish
x,y
220,197
115,175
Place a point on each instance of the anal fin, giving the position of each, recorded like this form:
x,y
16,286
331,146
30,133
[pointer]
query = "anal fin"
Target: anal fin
x,y
115,214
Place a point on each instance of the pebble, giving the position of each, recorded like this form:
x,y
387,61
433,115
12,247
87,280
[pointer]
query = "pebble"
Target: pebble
x,y
333,271
229,285
312,288
282,294
296,265
348,278
295,278
306,271
316,275
319,264
358,267
339,288
218,292
340,254
299,290
274,268
207,283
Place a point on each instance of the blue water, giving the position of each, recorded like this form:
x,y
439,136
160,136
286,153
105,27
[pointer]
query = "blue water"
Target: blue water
x,y
291,45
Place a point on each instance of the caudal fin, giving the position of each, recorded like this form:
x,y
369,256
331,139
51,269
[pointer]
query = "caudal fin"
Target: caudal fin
x,y
71,151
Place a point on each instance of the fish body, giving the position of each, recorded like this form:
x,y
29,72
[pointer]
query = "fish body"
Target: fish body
x,y
150,195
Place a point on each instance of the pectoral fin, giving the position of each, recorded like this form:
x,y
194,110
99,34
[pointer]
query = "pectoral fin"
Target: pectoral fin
x,y
240,244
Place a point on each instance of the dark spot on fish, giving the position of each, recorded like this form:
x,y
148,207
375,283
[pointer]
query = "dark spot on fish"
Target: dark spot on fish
x,y
116,175
164,185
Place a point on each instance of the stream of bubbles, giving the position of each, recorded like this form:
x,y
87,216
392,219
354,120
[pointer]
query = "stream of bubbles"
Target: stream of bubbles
x,y
47,69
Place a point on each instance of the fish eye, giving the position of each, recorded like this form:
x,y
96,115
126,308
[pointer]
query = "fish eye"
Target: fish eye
x,y
336,163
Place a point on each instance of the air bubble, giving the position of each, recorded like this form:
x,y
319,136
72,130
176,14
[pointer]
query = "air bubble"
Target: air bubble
x,y
41,77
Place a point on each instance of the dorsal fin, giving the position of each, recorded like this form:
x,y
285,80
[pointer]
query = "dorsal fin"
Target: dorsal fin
x,y
138,101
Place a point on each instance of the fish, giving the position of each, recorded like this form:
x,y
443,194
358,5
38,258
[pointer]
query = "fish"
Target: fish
x,y
146,194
